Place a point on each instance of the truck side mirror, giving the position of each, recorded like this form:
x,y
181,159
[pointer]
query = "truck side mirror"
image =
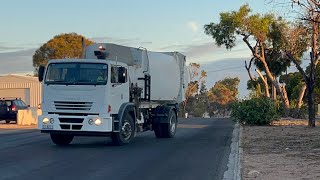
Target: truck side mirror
x,y
41,73
122,75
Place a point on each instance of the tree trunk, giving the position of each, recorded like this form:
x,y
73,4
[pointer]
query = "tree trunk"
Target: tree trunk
x,y
265,82
301,94
283,94
286,101
281,91
274,93
311,105
312,76
299,104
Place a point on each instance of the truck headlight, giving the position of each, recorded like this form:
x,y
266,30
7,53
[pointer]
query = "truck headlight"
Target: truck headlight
x,y
51,120
90,121
45,120
97,122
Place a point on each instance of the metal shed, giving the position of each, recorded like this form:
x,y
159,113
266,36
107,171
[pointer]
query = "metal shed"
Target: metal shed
x,y
25,87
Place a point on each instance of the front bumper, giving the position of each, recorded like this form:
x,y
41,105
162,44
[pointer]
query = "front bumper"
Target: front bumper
x,y
77,133
74,123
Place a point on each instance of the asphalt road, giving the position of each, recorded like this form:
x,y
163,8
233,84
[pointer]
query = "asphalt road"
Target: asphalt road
x,y
199,151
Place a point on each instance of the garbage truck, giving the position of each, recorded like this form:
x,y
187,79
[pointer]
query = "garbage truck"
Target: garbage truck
x,y
113,90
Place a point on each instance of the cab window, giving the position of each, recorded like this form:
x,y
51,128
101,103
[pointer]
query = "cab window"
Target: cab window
x,y
118,74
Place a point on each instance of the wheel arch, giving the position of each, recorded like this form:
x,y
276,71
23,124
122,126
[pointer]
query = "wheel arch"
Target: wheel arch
x,y
127,108
162,112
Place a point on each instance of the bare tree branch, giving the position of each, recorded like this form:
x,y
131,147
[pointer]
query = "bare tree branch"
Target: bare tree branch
x,y
314,2
300,69
265,82
245,39
248,69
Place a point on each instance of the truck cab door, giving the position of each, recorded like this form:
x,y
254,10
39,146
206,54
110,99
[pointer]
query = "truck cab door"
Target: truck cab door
x,y
119,87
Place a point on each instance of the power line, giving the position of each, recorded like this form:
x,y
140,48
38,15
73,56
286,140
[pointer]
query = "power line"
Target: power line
x,y
226,69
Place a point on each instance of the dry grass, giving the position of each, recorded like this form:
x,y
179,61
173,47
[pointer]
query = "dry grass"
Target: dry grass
x,y
281,152
293,122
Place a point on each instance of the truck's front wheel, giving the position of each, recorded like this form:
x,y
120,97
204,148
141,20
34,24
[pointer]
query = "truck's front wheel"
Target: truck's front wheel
x,y
61,139
126,132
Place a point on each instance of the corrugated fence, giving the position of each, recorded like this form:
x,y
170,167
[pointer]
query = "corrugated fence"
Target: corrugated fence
x,y
35,90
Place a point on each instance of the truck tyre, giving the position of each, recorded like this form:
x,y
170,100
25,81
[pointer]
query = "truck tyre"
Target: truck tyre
x,y
126,132
8,121
61,139
167,130
158,130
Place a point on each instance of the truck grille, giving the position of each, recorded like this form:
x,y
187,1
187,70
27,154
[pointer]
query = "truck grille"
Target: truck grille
x,y
72,106
71,123
71,120
70,127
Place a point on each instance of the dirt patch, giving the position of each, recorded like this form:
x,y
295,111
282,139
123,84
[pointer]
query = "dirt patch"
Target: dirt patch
x,y
281,152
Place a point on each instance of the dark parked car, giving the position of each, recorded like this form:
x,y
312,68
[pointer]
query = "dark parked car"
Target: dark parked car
x,y
9,108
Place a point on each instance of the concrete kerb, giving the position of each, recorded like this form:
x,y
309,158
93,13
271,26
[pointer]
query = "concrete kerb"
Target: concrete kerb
x,y
233,172
240,152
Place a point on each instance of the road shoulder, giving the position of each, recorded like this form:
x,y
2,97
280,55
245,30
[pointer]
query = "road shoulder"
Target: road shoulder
x,y
280,152
233,171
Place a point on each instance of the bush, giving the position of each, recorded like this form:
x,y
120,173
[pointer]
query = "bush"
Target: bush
x,y
255,111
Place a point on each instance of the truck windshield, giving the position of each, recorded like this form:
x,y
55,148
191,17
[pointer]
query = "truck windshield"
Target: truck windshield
x,y
77,74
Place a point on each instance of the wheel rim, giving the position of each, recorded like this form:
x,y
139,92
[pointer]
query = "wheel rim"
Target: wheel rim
x,y
126,131
172,124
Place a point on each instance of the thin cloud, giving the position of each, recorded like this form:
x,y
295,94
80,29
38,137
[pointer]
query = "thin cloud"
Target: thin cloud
x,y
146,42
195,51
199,50
171,47
16,62
122,41
193,26
206,50
8,48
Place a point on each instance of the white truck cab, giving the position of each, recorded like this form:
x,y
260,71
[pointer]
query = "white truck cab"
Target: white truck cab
x,y
109,93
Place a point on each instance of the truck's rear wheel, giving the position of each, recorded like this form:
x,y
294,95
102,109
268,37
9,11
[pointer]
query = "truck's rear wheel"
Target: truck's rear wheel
x,y
61,139
157,130
167,130
126,132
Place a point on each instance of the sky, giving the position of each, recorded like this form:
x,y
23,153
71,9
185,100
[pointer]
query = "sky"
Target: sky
x,y
158,25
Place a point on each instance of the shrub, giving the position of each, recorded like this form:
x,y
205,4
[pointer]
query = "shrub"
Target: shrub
x,y
255,111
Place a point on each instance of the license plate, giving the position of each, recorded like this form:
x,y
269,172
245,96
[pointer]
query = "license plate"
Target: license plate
x,y
47,126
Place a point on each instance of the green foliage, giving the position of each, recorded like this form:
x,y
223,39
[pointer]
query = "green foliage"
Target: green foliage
x,y
196,106
252,85
60,47
240,22
222,95
294,82
224,91
256,91
199,109
268,37
256,111
264,28
218,98
276,63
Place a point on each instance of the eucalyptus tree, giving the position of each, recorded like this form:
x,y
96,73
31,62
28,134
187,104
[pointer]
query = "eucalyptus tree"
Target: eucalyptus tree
x,y
61,46
264,35
309,13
